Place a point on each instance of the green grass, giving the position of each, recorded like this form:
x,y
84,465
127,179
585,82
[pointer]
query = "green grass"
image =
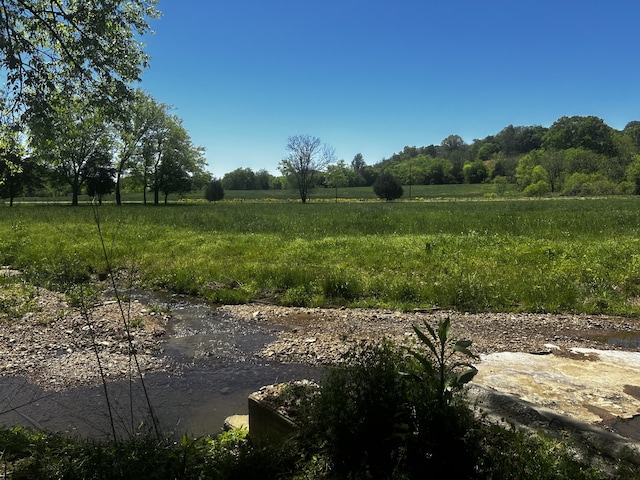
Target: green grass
x,y
554,255
318,194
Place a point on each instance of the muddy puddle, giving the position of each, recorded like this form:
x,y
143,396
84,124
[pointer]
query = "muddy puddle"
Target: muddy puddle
x,y
214,367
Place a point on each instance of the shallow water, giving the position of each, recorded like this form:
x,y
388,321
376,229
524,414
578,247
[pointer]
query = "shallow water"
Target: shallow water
x,y
215,368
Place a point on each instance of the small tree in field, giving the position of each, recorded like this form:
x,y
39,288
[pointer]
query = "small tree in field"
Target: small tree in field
x,y
214,191
387,187
306,157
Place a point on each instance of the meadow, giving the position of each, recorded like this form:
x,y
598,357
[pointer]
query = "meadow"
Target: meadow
x,y
463,253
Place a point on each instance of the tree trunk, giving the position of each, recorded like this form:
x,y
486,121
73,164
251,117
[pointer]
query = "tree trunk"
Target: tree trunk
x,y
75,189
118,196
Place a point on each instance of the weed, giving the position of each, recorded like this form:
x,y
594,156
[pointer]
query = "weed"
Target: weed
x,y
16,298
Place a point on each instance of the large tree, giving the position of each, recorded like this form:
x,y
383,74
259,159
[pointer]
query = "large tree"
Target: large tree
x,y
68,46
338,175
142,118
76,133
589,133
240,179
172,160
306,157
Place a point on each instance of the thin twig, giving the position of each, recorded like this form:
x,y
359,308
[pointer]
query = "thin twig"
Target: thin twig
x,y
126,324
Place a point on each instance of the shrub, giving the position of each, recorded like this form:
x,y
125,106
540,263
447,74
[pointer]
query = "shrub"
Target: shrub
x,y
537,189
387,187
377,418
214,191
584,185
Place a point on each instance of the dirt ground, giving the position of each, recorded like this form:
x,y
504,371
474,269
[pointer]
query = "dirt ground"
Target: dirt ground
x,y
55,345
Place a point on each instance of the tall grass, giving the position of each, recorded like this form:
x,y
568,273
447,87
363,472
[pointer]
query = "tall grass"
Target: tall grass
x,y
573,255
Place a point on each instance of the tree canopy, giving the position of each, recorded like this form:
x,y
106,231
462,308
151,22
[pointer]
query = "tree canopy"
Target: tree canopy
x,y
67,47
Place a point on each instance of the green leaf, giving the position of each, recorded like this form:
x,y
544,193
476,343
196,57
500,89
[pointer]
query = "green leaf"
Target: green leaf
x,y
424,339
444,330
464,350
467,376
424,361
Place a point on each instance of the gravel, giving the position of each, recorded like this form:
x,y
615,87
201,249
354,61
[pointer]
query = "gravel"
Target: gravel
x,y
57,347
321,336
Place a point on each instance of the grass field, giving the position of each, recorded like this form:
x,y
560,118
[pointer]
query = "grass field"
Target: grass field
x,y
554,255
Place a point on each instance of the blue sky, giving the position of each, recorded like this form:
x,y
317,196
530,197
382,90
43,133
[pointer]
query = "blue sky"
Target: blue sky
x,y
373,76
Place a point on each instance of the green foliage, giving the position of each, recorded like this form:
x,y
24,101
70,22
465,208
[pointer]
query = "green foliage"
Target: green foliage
x,y
582,184
247,179
475,172
387,187
16,298
514,454
362,417
214,191
51,47
589,133
372,420
537,189
439,369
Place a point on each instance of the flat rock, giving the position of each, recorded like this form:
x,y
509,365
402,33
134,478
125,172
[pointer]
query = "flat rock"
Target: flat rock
x,y
590,385
236,421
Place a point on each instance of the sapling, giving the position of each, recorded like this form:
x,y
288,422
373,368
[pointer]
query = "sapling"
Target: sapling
x,y
438,365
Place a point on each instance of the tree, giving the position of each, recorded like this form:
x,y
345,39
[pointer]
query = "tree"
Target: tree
x,y
99,177
475,172
358,163
141,119
172,177
632,130
263,179
177,159
387,187
589,133
240,179
554,162
67,46
76,133
518,140
455,150
633,174
337,176
306,157
214,191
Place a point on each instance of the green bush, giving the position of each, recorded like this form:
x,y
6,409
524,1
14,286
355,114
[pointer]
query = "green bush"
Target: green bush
x,y
537,189
372,420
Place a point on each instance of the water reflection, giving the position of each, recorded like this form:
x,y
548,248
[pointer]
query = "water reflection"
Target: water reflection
x,y
214,369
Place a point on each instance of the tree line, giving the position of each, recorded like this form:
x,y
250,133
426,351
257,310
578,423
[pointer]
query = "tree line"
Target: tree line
x,y
71,122
82,147
578,155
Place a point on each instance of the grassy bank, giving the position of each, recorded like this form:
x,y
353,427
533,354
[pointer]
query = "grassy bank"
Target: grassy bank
x,y
579,255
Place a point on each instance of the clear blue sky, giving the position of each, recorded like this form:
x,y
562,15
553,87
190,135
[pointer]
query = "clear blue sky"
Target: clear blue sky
x,y
373,76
